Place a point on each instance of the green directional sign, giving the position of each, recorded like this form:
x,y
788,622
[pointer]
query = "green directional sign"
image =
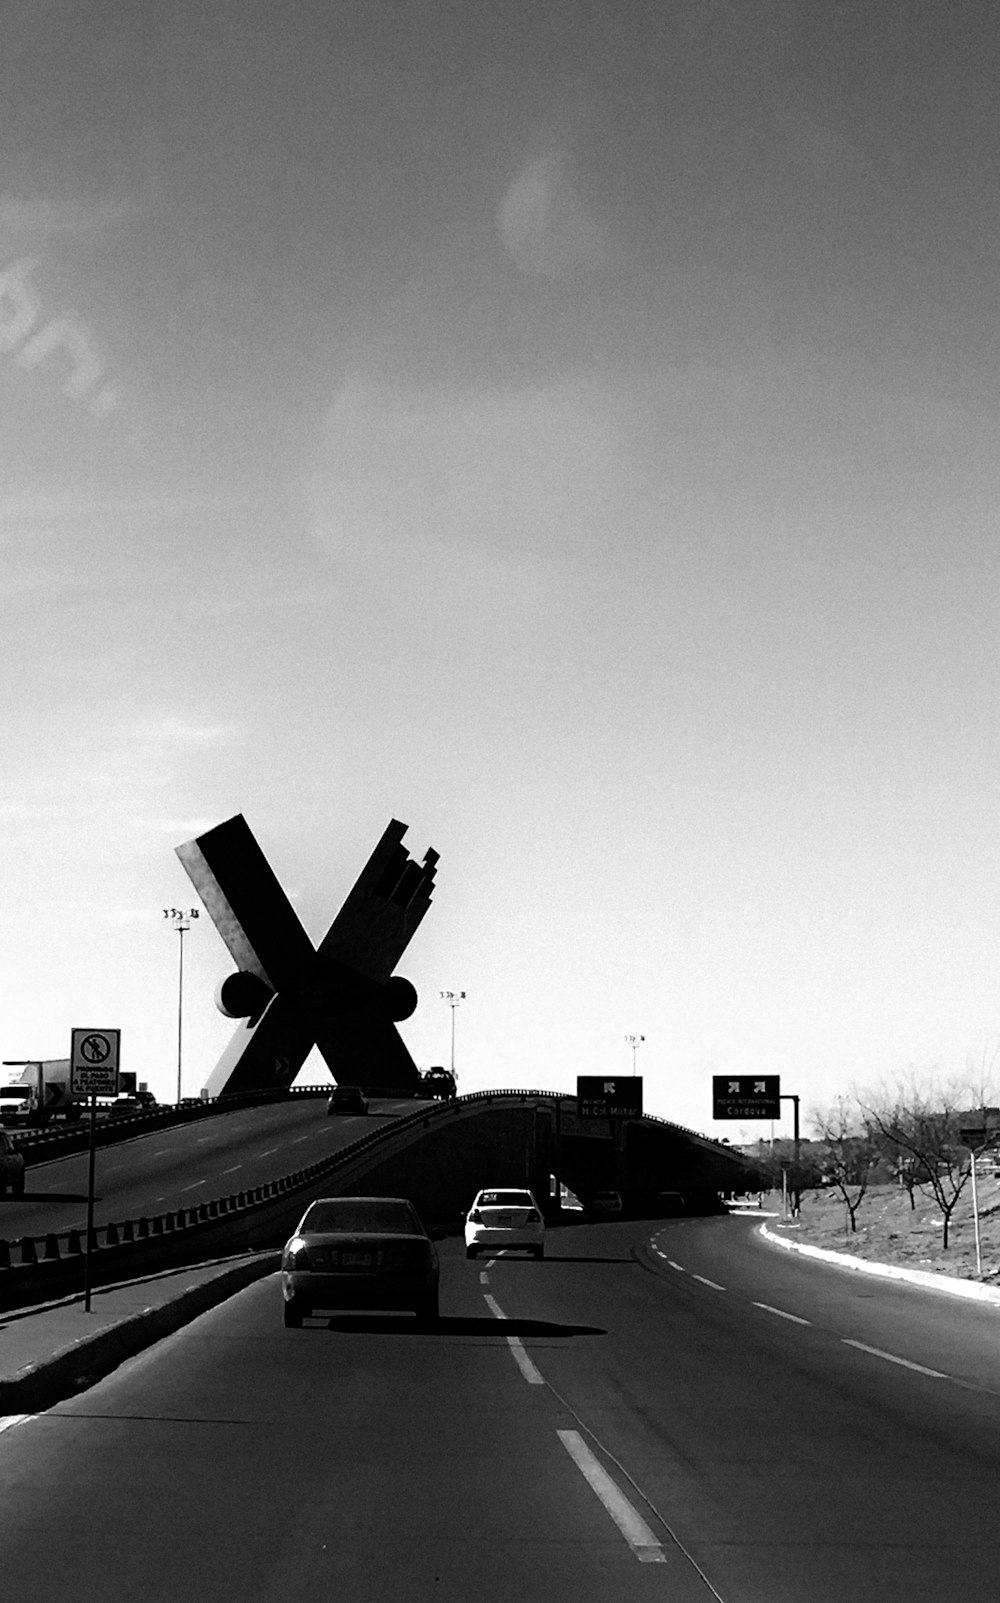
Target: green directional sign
x,y
599,1095
746,1096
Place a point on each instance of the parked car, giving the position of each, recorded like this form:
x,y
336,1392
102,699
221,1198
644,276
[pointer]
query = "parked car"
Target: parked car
x,y
11,1167
359,1252
347,1099
605,1204
503,1217
668,1204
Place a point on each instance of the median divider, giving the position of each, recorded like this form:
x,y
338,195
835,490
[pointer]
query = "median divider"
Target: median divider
x,y
60,1350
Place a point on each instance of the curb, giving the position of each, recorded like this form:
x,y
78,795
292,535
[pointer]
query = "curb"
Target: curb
x,y
971,1289
51,1380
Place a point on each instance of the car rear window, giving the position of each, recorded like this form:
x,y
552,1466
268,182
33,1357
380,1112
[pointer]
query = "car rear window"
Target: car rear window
x,y
505,1199
357,1214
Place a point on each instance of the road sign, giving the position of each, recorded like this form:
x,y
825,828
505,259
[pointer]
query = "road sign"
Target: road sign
x,y
94,1062
975,1136
746,1096
598,1096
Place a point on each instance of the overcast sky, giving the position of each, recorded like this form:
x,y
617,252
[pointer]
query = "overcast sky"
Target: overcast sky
x,y
567,426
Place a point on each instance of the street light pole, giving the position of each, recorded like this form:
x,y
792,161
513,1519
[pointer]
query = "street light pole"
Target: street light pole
x,y
635,1042
452,998
181,922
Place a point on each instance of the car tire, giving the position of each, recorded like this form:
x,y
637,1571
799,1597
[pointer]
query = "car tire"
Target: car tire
x,y
472,1252
294,1314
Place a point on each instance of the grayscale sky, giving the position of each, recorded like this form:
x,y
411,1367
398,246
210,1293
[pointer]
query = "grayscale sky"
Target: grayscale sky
x,y
568,426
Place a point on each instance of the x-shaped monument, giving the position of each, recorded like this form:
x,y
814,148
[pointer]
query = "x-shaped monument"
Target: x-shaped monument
x,y
341,996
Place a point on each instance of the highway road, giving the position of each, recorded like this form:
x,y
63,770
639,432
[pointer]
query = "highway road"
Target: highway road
x,y
186,1164
703,1417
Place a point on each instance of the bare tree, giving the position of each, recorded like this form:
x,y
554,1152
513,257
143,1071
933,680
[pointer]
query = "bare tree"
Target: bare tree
x,y
919,1124
850,1153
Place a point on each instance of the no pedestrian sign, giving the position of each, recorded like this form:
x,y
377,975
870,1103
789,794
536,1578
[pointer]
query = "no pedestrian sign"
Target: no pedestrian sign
x,y
94,1062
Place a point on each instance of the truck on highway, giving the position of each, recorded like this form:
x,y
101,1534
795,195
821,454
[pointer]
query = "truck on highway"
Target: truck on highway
x,y
40,1094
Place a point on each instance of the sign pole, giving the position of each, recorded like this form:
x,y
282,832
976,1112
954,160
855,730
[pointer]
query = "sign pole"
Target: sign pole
x,y
90,1203
93,1072
975,1215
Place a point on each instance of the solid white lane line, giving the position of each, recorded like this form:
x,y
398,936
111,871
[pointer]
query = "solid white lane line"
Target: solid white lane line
x,y
631,1523
876,1352
713,1283
781,1313
8,1421
533,1376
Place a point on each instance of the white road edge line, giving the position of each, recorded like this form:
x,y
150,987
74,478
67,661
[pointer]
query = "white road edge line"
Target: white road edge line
x,y
631,1524
876,1352
533,1376
706,1282
8,1421
781,1313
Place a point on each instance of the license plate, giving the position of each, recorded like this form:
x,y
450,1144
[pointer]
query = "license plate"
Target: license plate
x,y
357,1260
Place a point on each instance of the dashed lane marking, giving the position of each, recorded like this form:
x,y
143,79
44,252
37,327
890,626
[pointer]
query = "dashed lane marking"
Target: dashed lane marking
x,y
706,1282
533,1376
194,1185
782,1314
678,1266
629,1521
906,1363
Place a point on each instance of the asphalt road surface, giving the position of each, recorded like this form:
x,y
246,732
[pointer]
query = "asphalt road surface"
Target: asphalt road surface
x,y
706,1420
186,1164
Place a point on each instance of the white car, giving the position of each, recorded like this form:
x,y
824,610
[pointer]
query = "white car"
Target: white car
x,y
503,1218
11,1167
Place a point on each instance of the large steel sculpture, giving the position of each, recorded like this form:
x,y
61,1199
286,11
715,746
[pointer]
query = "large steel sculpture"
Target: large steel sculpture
x,y
342,996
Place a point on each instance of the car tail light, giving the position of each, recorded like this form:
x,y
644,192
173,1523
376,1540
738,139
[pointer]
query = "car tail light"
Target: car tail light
x,y
533,1217
297,1258
475,1217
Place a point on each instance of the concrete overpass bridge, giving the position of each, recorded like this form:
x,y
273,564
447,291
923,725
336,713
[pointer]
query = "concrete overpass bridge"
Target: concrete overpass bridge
x,y
439,1154
526,1138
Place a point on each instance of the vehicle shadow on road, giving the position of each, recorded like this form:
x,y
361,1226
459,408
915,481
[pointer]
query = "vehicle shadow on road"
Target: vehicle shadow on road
x,y
55,1196
553,1257
400,1325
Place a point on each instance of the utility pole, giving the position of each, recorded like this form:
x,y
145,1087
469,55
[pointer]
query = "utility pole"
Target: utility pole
x,y
181,922
453,998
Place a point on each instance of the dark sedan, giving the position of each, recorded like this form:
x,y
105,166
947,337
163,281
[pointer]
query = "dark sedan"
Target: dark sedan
x,y
361,1253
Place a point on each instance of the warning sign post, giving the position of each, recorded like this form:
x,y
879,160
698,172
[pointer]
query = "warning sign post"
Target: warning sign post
x,y
93,1071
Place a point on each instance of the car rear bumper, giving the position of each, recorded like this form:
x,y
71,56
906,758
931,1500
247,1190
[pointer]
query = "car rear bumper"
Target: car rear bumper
x,y
347,1289
520,1236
